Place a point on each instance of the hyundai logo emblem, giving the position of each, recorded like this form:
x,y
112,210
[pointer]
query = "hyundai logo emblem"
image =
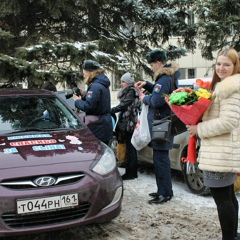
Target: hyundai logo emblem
x,y
45,181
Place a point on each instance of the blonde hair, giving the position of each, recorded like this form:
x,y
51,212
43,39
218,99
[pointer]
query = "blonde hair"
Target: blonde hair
x,y
232,54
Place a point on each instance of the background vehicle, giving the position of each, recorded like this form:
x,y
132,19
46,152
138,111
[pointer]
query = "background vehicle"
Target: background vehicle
x,y
54,173
194,180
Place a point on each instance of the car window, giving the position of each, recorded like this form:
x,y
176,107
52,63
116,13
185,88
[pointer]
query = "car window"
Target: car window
x,y
42,112
69,101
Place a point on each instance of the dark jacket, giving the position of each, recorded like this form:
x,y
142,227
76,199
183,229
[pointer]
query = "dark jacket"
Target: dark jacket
x,y
97,101
156,101
129,107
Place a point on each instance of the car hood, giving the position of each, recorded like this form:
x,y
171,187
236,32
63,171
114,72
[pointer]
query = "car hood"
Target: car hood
x,y
39,148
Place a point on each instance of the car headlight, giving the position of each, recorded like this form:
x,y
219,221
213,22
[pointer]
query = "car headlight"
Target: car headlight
x,y
106,163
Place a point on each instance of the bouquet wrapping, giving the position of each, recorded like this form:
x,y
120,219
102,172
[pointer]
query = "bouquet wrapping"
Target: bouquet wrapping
x,y
189,106
190,114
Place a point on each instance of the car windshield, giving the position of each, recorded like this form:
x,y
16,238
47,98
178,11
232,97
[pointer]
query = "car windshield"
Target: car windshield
x,y
23,113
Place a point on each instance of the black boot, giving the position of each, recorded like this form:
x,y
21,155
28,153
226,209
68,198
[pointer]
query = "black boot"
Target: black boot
x,y
130,174
135,173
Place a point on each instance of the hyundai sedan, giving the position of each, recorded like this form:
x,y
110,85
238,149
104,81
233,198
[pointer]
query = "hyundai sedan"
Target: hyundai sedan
x,y
54,173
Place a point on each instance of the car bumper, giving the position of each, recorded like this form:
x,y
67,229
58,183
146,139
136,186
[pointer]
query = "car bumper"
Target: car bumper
x,y
99,200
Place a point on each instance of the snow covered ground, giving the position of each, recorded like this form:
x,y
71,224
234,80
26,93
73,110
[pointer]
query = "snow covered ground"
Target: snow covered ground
x,y
186,216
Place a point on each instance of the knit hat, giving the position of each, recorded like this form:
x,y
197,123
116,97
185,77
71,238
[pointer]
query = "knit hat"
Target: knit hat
x,y
128,78
156,55
90,65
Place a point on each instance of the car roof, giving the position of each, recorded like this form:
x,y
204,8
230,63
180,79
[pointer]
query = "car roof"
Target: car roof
x,y
190,81
16,91
13,92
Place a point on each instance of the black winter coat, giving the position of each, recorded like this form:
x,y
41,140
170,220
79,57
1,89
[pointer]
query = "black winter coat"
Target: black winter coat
x,y
128,112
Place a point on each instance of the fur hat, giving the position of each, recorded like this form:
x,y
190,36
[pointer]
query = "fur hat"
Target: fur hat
x,y
128,78
90,65
156,55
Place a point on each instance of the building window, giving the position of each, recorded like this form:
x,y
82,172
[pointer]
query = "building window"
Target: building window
x,y
187,73
116,82
190,19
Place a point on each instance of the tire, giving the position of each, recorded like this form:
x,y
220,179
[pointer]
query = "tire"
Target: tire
x,y
194,180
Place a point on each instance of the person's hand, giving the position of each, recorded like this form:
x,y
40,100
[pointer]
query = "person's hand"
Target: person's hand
x,y
142,97
112,111
82,93
192,129
75,97
140,84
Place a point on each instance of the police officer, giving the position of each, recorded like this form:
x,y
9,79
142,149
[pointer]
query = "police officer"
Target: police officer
x,y
163,73
97,100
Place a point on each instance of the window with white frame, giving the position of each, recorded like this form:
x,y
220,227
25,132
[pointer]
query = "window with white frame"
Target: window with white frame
x,y
187,73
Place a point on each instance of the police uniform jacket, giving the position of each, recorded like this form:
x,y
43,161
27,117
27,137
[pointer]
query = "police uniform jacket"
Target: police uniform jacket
x,y
97,101
156,101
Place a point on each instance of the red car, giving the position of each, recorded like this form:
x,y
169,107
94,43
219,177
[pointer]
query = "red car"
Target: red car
x,y
54,173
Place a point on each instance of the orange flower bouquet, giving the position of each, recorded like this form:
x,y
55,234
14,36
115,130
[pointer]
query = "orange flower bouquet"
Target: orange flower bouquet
x,y
189,105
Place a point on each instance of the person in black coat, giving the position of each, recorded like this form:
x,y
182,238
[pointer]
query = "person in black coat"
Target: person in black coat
x,y
97,100
128,115
164,74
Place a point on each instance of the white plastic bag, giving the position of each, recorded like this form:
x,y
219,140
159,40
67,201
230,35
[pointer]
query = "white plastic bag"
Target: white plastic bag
x,y
141,135
117,116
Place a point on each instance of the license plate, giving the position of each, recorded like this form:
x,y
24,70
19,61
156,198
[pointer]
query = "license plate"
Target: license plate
x,y
46,203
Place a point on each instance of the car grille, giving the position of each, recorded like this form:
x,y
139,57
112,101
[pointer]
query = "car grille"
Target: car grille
x,y
28,183
46,218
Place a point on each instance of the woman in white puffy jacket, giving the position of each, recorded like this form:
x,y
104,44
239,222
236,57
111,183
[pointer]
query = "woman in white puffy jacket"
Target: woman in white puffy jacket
x,y
219,131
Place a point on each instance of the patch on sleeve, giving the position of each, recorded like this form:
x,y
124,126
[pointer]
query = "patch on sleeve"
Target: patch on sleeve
x,y
89,94
157,88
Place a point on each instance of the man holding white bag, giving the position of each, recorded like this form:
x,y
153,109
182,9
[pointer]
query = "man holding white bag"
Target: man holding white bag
x,y
163,73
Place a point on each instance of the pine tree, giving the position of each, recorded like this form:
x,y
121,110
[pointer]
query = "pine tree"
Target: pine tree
x,y
49,39
218,26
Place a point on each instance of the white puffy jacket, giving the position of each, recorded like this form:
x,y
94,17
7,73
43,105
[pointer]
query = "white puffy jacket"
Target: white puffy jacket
x,y
220,129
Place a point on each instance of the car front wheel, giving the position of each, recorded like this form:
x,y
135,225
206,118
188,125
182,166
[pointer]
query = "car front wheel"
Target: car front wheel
x,y
194,179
